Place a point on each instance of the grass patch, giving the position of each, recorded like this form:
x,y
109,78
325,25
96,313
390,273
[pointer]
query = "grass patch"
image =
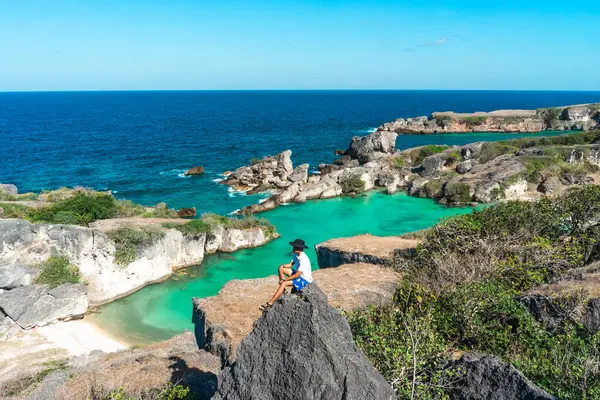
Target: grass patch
x,y
130,241
455,156
398,162
57,270
165,392
491,150
14,210
82,207
418,155
4,196
352,184
209,223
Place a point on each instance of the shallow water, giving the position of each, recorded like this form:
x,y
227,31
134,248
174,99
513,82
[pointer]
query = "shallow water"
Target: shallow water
x,y
160,311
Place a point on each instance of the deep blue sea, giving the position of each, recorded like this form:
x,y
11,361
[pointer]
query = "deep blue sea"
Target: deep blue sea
x,y
138,144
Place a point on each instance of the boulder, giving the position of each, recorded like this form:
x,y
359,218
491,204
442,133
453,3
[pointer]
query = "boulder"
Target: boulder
x,y
550,185
544,310
288,195
332,191
194,171
464,167
300,174
267,172
487,191
304,350
15,275
362,148
576,114
39,305
186,212
8,189
488,377
415,186
432,165
390,180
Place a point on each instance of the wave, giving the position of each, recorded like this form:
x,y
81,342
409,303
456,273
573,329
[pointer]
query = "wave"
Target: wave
x,y
175,172
368,130
235,193
217,180
234,212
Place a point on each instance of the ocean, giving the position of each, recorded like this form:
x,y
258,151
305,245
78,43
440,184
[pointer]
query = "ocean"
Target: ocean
x,y
138,144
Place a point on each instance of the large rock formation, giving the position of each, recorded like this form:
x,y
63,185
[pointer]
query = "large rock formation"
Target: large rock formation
x,y
303,349
222,321
584,117
263,174
362,249
94,253
39,305
15,275
8,189
373,146
488,377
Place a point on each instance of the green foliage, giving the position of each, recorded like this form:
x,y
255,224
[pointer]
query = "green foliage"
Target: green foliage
x,y
166,392
491,150
255,161
130,241
549,115
5,196
85,207
570,139
13,210
127,209
418,155
352,184
57,270
162,211
455,156
209,222
473,121
398,162
457,193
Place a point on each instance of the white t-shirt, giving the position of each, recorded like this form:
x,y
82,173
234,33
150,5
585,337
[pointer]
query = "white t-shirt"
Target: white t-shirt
x,y
302,264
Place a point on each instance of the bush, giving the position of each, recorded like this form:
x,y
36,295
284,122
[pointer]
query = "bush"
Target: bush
x,y
418,155
56,271
162,211
457,193
398,162
13,211
473,121
210,222
4,196
130,241
434,189
85,207
352,184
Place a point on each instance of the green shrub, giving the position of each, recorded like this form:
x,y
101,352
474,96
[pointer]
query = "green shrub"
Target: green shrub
x,y
457,193
255,161
398,162
86,207
162,211
418,155
65,218
128,209
57,270
473,121
491,150
352,184
13,210
130,241
455,156
434,189
549,115
209,222
4,196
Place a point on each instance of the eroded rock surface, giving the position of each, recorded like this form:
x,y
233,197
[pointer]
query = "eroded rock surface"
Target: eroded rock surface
x,y
302,348
15,275
488,377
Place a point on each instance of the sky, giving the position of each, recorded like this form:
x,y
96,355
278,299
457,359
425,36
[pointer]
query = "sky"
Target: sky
x,y
292,44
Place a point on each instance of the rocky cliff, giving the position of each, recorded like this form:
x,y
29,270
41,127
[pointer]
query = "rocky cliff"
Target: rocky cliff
x,y
92,251
304,350
580,117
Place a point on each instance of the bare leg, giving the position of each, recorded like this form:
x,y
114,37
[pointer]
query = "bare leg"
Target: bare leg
x,y
279,291
283,271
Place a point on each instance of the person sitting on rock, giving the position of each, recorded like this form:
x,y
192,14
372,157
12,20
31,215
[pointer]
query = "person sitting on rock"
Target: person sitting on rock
x,y
296,273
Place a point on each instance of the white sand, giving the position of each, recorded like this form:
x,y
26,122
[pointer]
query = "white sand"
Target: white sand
x,y
79,337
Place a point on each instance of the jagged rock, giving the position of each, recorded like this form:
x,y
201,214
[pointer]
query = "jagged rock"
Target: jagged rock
x,y
488,377
574,156
288,195
332,191
576,114
531,151
416,185
591,316
38,305
544,310
432,165
343,160
365,148
194,171
390,180
304,349
300,174
186,212
466,153
15,275
8,188
270,171
464,167
550,185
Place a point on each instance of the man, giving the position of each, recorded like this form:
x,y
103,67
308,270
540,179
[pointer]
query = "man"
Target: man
x,y
296,273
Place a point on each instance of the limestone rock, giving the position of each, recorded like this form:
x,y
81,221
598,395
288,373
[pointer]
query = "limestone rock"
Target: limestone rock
x,y
186,212
362,148
15,275
38,305
432,165
334,190
304,349
266,173
464,167
488,377
194,171
551,185
544,310
487,191
576,114
8,188
415,186
300,174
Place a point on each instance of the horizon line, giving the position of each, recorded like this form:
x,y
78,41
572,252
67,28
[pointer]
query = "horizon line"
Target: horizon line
x,y
296,90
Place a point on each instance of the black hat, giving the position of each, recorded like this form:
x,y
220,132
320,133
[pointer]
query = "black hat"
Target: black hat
x,y
299,244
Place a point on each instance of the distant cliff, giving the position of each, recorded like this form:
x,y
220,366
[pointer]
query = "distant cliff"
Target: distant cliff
x,y
578,117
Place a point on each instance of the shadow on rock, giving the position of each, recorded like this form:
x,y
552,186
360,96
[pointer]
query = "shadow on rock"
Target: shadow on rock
x,y
203,384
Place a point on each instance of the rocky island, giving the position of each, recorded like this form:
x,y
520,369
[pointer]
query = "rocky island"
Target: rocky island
x,y
577,117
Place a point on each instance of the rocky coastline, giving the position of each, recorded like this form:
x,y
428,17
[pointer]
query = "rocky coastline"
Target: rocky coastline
x,y
480,172
578,117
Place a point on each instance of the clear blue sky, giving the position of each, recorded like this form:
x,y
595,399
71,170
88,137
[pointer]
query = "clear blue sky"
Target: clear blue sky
x,y
290,44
